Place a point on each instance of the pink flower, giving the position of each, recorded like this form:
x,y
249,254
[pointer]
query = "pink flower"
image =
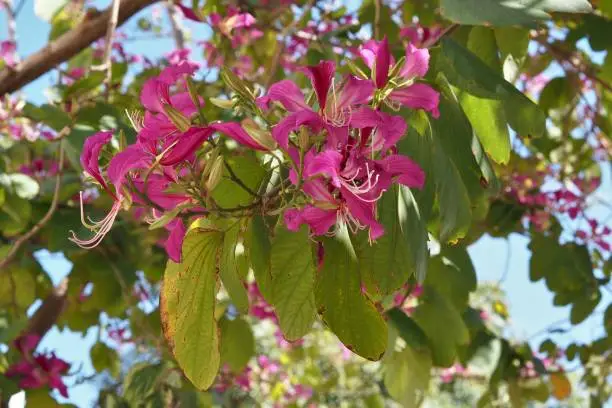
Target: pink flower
x,y
376,56
8,53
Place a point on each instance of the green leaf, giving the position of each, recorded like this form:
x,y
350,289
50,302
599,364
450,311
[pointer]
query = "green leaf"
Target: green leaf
x,y
187,307
228,193
557,94
408,330
584,306
228,269
237,343
46,9
508,12
343,307
442,324
141,382
259,248
487,115
14,215
386,263
414,230
293,277
452,275
470,74
85,84
407,375
105,358
50,115
20,184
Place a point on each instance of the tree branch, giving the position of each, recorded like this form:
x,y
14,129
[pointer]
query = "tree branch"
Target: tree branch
x,y
177,33
65,47
49,311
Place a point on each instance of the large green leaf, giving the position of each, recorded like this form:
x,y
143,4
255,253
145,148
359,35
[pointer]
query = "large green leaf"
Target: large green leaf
x,y
443,325
407,375
237,343
471,74
293,278
508,12
487,116
258,246
228,269
452,274
141,382
386,264
344,308
414,230
187,307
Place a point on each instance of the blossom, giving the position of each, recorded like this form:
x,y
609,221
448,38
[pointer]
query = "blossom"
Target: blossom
x,y
335,105
37,370
8,53
405,90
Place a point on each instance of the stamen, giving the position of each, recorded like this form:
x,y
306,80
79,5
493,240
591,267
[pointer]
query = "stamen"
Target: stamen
x,y
104,227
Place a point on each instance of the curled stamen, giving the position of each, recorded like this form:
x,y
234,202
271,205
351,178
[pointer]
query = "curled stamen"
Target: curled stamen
x,y
102,229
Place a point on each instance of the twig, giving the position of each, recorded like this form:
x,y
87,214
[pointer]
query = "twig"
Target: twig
x,y
578,64
11,21
107,63
377,10
177,33
66,46
45,219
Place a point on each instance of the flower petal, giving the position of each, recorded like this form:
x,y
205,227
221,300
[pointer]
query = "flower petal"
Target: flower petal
x,y
321,77
418,96
91,155
383,62
133,157
363,212
355,92
417,62
288,94
186,144
281,131
174,243
327,163
319,220
410,174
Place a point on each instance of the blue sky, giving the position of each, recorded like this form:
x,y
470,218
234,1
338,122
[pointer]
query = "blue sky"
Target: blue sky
x,y
530,304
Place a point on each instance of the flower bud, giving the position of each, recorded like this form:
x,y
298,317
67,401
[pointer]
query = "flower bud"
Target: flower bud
x,y
222,103
179,120
216,172
261,136
304,139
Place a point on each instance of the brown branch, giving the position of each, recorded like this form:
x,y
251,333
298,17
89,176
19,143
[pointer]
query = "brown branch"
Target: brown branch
x,y
377,10
574,60
45,219
65,47
49,311
177,33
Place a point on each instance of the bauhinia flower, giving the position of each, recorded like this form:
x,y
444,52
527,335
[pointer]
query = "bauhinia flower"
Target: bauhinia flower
x,y
404,88
336,104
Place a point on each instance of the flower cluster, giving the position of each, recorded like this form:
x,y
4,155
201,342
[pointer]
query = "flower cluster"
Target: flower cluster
x,y
16,126
36,370
342,150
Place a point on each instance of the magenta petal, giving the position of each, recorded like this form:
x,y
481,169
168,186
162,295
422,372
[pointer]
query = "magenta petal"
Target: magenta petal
x,y
183,103
383,62
174,243
317,189
355,92
153,95
417,62
281,131
188,12
327,163
363,212
368,52
319,220
236,132
187,144
133,157
27,343
391,130
365,117
418,96
172,73
91,155
321,77
288,94
409,173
